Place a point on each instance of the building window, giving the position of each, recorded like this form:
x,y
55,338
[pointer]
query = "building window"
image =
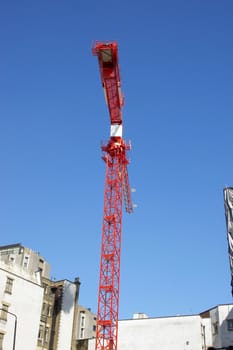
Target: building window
x,y
230,325
44,310
82,318
82,333
215,328
26,261
11,258
46,334
82,321
1,340
49,310
41,264
9,285
4,311
41,332
94,328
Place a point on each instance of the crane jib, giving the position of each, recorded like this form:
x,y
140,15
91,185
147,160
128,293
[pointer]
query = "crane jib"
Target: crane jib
x,y
107,54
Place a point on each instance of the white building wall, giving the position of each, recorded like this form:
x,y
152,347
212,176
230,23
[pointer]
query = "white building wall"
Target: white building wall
x,y
206,333
214,316
67,316
174,333
91,344
197,332
25,302
222,313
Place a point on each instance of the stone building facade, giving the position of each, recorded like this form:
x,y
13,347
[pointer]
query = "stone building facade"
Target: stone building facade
x,y
35,311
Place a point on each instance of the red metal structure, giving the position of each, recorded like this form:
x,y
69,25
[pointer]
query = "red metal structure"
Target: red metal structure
x,y
116,188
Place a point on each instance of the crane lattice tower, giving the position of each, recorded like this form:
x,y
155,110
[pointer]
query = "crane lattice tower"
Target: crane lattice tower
x,y
116,190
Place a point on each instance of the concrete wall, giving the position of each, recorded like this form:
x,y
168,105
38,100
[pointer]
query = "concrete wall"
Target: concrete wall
x,y
221,314
196,332
176,333
25,302
206,333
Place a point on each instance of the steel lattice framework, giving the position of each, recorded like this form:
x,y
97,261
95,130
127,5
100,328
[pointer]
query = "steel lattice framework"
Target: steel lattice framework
x,y
116,189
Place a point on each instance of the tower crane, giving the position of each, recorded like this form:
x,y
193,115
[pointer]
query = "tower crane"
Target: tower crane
x,y
116,190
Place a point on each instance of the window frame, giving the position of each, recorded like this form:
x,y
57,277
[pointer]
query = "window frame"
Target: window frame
x,y
41,333
215,328
230,324
4,311
26,260
46,334
2,334
9,285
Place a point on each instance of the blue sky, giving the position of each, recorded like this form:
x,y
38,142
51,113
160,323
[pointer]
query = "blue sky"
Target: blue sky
x,y
176,67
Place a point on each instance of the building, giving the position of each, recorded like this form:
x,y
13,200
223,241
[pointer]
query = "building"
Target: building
x,y
27,259
58,317
86,325
38,313
46,319
221,325
21,298
30,300
212,328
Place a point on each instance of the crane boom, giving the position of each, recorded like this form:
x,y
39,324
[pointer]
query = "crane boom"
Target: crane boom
x,y
107,54
116,189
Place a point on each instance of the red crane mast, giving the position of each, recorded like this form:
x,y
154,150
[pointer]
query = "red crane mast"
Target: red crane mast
x,y
116,189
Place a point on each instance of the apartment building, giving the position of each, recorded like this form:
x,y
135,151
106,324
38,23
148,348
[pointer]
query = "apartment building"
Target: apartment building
x,y
86,325
16,255
58,316
21,298
35,311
